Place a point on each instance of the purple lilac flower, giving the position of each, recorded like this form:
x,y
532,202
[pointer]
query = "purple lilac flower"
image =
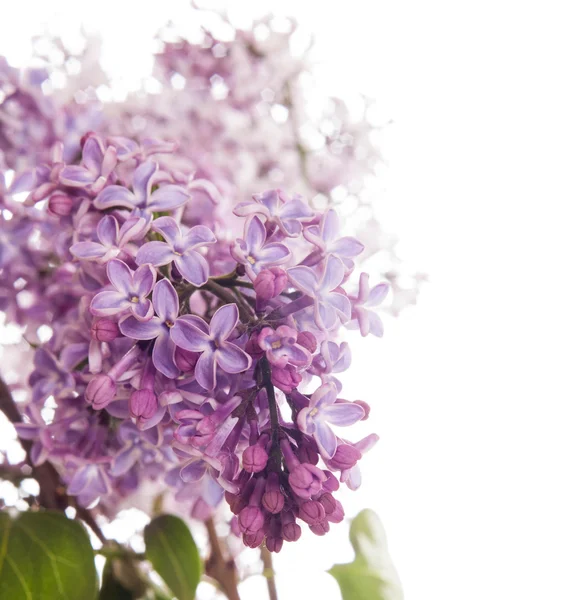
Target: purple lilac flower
x,y
281,347
97,164
324,410
195,335
166,197
362,316
253,252
112,239
137,447
325,237
166,305
179,249
288,214
131,291
328,304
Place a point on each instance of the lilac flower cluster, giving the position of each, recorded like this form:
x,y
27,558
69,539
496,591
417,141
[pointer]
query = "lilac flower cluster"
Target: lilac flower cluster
x,y
179,357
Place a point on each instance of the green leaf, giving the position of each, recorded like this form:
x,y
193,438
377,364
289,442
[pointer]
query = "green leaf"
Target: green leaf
x,y
371,576
174,555
43,556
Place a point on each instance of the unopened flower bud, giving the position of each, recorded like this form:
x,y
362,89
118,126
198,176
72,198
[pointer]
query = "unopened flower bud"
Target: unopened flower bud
x,y
254,459
60,205
320,528
104,330
307,340
186,360
311,512
269,283
305,480
274,544
253,346
328,503
100,391
286,378
291,532
253,540
143,403
345,457
251,519
273,500
337,515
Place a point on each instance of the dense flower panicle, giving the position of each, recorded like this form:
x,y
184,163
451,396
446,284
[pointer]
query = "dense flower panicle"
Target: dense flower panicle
x,y
177,323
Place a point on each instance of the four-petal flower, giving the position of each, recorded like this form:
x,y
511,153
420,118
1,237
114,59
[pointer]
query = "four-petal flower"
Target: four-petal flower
x,y
181,249
363,317
323,409
194,334
131,289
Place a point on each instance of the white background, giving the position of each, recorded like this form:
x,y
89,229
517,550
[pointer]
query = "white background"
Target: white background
x,y
472,390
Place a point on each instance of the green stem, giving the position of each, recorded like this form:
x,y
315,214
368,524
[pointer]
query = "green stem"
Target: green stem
x,y
270,390
119,552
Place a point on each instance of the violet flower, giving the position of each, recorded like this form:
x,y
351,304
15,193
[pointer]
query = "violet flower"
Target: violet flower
x,y
253,252
113,239
131,291
97,164
324,410
179,249
281,348
166,305
328,304
362,316
195,335
277,208
166,197
325,237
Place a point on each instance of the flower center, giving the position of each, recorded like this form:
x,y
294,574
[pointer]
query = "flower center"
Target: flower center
x,y
313,412
169,323
177,253
251,260
276,345
134,299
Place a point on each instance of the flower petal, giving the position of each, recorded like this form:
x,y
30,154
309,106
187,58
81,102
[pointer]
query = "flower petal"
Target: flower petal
x,y
343,414
304,279
347,247
168,228
163,355
155,253
107,231
88,250
114,195
224,322
165,300
108,303
142,182
193,267
254,234
120,276
232,359
199,235
142,310
325,439
187,336
141,330
377,295
76,176
205,371
273,254
333,274
144,279
168,197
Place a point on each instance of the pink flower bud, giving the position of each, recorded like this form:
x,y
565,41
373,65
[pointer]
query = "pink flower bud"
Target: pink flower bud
x,y
291,532
100,391
307,340
143,403
328,503
305,480
253,346
60,205
251,519
337,515
286,378
104,330
274,544
253,540
186,360
273,500
331,483
320,528
254,459
311,512
345,457
306,454
269,283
